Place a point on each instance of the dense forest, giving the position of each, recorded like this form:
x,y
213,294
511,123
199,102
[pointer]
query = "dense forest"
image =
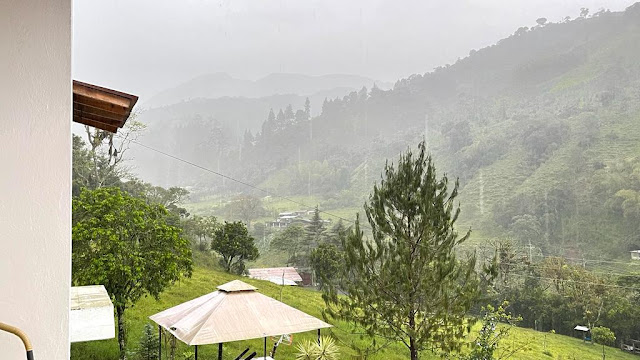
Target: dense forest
x,y
540,129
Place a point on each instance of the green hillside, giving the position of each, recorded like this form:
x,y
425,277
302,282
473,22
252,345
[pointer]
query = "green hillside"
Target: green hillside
x,y
532,344
539,126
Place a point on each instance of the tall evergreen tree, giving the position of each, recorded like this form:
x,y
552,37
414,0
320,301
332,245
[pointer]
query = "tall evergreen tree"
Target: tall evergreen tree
x,y
407,284
148,348
337,234
288,113
247,145
307,108
280,120
315,231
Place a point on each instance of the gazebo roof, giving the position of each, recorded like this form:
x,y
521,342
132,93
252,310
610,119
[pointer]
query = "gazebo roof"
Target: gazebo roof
x,y
234,312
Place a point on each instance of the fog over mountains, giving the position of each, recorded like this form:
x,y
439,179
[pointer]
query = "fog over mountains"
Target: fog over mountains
x,y
537,127
217,85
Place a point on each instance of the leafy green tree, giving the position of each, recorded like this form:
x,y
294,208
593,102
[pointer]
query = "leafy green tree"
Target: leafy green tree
x,y
201,229
169,198
148,348
407,284
541,21
233,242
126,245
247,208
290,241
604,336
496,325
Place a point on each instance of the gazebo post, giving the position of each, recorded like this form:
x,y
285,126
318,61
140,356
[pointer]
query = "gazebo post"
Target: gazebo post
x,y
159,342
265,348
220,351
196,352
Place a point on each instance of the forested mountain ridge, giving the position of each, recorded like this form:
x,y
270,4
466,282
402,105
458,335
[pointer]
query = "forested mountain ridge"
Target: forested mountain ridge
x,y
542,129
210,113
217,85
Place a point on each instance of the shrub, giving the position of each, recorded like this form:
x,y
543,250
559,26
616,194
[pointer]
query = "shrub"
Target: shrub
x,y
325,350
603,335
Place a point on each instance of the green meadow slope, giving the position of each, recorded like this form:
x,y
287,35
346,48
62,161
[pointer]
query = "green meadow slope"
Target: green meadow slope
x,y
532,344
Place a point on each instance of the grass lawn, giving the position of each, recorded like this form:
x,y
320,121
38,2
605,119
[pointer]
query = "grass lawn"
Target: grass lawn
x,y
203,281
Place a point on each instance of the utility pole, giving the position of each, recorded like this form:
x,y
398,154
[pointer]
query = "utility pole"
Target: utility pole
x,y
530,247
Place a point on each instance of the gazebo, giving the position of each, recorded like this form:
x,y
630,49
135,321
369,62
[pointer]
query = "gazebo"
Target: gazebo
x,y
236,311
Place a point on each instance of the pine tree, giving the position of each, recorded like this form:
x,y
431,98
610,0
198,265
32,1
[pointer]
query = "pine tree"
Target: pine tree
x,y
288,114
337,234
407,284
325,106
268,128
247,144
315,231
148,348
307,108
280,120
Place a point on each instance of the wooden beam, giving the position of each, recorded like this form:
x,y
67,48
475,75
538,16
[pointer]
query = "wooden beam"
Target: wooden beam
x,y
96,124
102,94
99,104
84,109
98,118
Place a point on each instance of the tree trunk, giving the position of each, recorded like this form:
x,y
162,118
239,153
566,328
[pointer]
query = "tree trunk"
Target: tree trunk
x,y
412,349
122,339
412,341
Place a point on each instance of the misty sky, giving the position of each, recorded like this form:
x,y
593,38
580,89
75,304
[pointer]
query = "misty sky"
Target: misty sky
x,y
143,47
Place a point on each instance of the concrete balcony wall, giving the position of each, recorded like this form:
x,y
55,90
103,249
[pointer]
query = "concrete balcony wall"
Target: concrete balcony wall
x,y
35,175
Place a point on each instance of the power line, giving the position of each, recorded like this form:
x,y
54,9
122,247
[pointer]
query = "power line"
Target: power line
x,y
270,193
541,266
483,246
578,282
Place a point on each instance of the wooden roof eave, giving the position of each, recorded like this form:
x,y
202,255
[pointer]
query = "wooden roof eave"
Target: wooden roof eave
x,y
103,108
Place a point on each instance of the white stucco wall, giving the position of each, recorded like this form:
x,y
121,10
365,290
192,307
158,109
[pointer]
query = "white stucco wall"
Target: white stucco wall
x,y
35,167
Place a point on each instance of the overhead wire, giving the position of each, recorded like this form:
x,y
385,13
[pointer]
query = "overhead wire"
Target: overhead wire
x,y
271,193
489,247
265,191
578,282
540,266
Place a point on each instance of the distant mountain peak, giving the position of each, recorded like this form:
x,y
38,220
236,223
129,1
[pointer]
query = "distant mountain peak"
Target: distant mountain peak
x,y
220,84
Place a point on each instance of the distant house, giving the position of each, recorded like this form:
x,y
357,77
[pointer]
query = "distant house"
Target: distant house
x,y
279,275
293,217
289,217
635,255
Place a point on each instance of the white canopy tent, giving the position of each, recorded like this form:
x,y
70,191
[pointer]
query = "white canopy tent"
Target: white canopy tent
x,y
90,314
236,311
